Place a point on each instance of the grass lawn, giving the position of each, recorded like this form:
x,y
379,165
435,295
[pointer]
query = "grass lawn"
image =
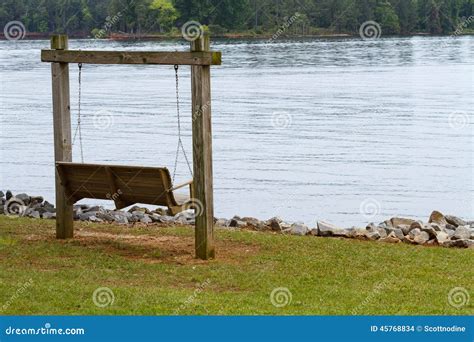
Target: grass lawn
x,y
151,271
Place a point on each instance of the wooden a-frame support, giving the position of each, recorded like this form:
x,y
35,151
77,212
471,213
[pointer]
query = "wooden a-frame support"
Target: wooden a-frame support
x,y
200,58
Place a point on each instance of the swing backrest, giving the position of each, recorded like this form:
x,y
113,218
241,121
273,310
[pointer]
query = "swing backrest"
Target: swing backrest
x,y
126,185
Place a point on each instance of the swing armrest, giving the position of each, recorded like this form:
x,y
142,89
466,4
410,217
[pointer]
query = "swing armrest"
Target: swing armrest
x,y
190,182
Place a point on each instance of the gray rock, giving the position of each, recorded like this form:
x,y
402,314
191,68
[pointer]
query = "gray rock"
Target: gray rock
x,y
36,199
140,209
120,219
168,219
461,243
358,233
413,233
450,232
185,217
93,218
47,215
435,227
94,208
156,218
222,222
382,232
237,222
275,223
373,235
391,238
299,229
137,216
397,221
23,198
105,215
49,207
449,226
430,230
455,221
416,224
371,227
398,233
262,226
252,221
421,238
327,229
347,232
33,214
405,228
87,216
146,219
462,233
437,217
442,237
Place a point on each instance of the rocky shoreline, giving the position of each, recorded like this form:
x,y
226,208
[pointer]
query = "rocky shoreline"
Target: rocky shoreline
x,y
440,230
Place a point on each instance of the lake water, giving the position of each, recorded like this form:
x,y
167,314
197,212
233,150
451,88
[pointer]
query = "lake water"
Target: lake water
x,y
343,130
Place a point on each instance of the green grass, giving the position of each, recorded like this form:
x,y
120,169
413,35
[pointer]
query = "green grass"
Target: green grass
x,y
151,271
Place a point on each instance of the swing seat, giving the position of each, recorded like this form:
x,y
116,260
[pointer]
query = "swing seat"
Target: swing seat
x,y
125,185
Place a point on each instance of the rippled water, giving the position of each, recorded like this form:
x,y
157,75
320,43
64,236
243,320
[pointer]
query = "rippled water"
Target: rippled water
x,y
308,129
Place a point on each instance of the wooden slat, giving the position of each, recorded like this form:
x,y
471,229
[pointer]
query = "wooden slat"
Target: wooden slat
x,y
131,57
147,185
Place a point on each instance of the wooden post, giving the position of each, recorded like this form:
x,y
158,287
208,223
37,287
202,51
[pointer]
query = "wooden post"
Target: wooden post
x,y
62,136
202,153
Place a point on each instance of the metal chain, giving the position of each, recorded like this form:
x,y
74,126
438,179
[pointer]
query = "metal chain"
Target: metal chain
x,y
78,127
180,142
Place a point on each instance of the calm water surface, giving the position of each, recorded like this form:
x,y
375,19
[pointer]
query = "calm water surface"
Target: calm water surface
x,y
308,130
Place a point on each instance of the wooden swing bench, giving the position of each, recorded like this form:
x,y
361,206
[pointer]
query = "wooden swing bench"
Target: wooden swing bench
x,y
125,185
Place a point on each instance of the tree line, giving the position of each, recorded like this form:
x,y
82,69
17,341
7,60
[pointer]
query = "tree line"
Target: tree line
x,y
87,17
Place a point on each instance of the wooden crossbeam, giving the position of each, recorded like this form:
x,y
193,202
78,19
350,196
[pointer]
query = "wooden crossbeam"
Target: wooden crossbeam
x,y
132,57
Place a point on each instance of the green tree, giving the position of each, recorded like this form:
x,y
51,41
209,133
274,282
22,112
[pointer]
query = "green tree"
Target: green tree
x,y
165,13
387,17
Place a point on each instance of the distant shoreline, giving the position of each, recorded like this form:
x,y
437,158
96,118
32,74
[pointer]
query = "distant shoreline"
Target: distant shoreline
x,y
266,36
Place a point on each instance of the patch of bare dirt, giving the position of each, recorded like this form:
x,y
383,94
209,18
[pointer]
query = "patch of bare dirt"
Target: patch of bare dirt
x,y
160,249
